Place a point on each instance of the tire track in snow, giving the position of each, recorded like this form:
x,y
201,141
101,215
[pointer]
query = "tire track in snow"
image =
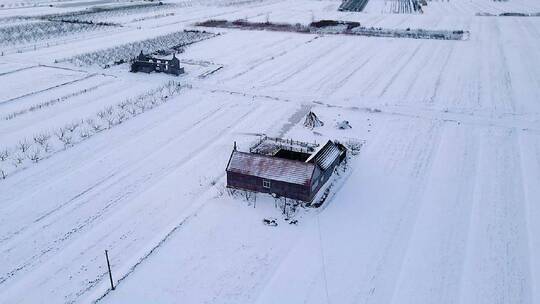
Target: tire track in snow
x,y
529,255
298,68
198,206
441,225
374,78
436,88
400,69
127,141
125,194
530,51
497,267
422,150
338,84
421,70
268,59
8,101
327,78
530,165
507,79
182,161
335,81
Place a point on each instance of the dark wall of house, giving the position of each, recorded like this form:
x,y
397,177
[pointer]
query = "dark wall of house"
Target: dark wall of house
x,y
322,177
253,183
142,67
148,67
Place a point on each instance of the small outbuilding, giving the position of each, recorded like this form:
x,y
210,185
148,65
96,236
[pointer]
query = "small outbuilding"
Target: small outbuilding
x,y
285,172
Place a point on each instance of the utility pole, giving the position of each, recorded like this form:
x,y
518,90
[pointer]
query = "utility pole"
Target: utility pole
x,y
109,266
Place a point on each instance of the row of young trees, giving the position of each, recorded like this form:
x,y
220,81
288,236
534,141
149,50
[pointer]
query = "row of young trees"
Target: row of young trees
x,y
126,52
48,103
43,144
410,33
105,14
38,31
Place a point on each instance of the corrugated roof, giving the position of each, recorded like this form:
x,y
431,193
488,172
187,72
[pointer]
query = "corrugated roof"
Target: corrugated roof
x,y
326,155
274,168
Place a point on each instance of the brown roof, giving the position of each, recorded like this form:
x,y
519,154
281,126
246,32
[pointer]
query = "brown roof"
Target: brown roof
x,y
272,168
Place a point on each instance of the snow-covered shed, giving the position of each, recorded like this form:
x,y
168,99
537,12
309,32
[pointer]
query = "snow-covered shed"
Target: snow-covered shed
x,y
278,175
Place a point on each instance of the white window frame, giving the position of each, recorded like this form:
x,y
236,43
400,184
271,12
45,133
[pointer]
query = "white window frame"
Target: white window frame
x,y
315,184
266,184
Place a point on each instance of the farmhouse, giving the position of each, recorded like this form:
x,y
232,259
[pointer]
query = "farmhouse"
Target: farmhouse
x,y
284,170
148,64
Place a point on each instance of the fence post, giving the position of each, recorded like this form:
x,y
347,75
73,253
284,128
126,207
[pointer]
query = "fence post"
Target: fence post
x,y
109,267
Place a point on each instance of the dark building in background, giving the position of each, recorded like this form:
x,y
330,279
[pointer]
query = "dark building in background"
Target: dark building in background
x,y
287,173
148,64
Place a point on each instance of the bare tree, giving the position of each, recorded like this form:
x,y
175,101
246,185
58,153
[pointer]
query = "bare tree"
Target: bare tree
x,y
106,116
102,114
18,159
110,121
124,104
132,110
35,155
220,189
42,138
153,101
121,116
141,105
47,147
354,146
232,192
84,132
169,88
3,174
24,145
94,125
60,133
248,196
67,140
109,110
4,154
72,126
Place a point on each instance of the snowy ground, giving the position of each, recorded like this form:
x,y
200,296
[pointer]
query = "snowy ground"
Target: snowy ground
x,y
441,205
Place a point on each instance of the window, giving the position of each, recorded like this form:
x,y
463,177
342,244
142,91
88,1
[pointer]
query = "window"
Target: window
x,y
266,184
315,184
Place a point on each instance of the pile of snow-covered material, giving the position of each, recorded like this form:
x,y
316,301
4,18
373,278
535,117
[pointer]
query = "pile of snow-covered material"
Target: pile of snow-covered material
x,y
312,121
343,125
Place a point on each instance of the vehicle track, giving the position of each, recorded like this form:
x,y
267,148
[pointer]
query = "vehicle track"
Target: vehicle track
x,y
125,195
400,70
263,61
124,142
283,76
108,179
3,102
432,99
374,79
421,149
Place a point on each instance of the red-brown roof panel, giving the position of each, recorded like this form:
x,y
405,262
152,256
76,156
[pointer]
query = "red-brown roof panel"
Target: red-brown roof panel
x,y
272,168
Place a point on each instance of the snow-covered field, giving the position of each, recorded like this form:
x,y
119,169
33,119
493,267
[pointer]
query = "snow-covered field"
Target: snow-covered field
x,y
440,206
